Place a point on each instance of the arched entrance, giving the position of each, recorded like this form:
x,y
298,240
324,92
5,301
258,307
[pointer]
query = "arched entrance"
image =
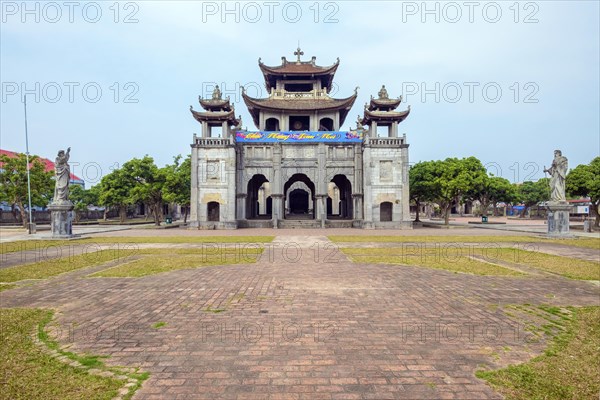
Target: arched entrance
x,y
299,197
213,211
298,202
272,124
385,211
340,192
326,124
257,198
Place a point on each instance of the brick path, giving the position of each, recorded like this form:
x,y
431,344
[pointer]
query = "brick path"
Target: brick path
x,y
303,323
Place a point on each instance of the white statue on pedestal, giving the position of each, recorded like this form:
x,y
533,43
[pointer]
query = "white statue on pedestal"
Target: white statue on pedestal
x,y
558,174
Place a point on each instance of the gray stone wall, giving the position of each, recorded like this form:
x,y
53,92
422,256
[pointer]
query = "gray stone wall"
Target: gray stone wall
x,y
376,174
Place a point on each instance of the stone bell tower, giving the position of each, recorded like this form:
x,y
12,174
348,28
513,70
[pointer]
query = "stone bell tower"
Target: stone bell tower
x,y
385,160
213,165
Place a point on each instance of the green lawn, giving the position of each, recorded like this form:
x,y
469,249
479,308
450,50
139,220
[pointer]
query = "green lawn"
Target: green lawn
x,y
450,259
48,268
155,261
24,245
569,368
30,373
152,261
566,266
592,243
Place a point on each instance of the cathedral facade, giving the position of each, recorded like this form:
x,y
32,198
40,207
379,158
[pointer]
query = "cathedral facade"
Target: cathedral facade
x,y
299,168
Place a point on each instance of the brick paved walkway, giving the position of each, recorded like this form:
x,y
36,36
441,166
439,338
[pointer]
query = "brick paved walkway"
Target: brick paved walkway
x,y
303,323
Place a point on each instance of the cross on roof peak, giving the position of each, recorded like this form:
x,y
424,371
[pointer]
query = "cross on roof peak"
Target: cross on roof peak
x,y
298,52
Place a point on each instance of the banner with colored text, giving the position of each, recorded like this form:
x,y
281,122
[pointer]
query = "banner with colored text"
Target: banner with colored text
x,y
297,137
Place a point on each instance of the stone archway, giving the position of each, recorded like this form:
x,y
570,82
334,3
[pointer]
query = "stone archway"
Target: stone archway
x,y
386,211
256,199
299,197
213,209
341,195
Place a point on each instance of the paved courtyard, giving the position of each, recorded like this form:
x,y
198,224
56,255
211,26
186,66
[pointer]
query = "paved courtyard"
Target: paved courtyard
x,y
304,323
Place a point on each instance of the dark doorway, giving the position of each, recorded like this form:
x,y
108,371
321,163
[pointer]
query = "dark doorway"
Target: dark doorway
x,y
298,207
299,123
299,201
213,210
272,124
326,124
385,211
269,206
329,206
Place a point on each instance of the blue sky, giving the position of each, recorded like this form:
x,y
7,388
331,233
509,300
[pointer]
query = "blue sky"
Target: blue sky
x,y
507,82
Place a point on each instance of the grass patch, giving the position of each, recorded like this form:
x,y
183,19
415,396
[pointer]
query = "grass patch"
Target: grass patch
x,y
48,268
30,373
568,369
569,267
24,245
159,325
156,261
6,286
449,259
591,243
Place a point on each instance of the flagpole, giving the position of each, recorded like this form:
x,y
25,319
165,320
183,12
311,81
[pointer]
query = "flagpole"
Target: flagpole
x,y
27,156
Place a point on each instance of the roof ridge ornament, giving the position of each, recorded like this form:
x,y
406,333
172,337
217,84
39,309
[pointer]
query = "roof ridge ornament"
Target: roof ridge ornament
x,y
383,94
216,94
298,53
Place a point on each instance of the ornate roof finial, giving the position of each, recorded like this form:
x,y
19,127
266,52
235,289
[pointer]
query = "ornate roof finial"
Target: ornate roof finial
x,y
298,52
356,89
383,94
216,95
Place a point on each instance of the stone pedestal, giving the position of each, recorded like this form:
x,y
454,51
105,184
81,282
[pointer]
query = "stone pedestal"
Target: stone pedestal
x,y
558,219
61,220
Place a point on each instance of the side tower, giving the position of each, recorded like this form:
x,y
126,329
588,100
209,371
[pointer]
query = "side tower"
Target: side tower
x,y
385,164
213,165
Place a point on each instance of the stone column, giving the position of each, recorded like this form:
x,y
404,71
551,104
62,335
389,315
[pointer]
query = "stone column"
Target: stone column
x,y
225,129
367,189
321,184
405,200
277,186
194,201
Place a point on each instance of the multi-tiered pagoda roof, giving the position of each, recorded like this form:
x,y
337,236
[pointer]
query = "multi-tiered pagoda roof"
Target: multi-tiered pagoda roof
x,y
217,109
314,98
382,109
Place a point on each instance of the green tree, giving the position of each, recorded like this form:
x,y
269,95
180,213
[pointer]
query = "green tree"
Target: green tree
x,y
115,190
13,179
455,179
584,181
420,178
490,190
178,182
149,181
81,199
531,193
